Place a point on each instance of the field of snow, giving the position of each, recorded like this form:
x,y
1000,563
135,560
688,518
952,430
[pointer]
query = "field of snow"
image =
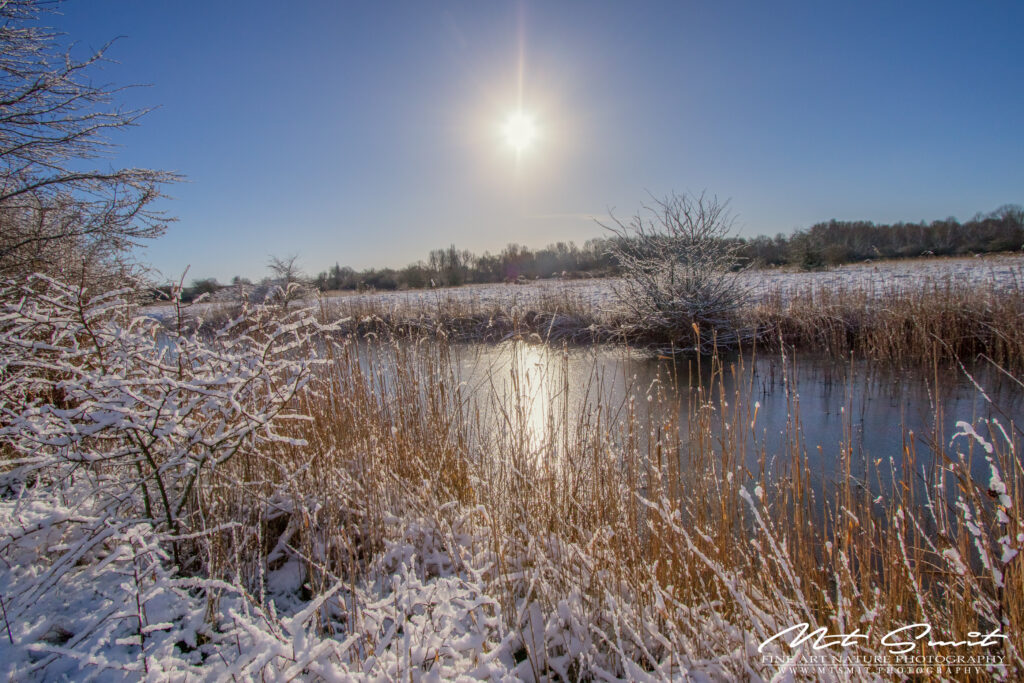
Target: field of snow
x,y
598,294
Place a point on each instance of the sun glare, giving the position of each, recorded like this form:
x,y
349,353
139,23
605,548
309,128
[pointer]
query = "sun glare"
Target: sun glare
x,y
520,131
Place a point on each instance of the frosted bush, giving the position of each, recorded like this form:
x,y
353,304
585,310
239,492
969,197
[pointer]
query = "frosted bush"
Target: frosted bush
x,y
680,278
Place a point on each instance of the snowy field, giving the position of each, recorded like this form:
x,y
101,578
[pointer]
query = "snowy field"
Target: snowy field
x,y
877,277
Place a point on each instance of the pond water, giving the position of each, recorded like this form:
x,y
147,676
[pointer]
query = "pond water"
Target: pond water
x,y
868,419
873,412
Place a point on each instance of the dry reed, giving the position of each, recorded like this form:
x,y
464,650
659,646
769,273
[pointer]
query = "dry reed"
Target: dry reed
x,y
659,541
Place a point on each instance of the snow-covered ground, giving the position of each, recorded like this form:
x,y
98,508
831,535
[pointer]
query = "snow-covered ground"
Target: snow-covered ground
x,y
880,276
599,293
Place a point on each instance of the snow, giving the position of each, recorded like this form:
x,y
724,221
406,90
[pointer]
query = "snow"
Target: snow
x,y
597,294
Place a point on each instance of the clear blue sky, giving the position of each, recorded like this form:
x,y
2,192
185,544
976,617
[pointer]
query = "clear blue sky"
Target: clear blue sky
x,y
368,133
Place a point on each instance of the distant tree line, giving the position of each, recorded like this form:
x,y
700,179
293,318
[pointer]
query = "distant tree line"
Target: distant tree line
x,y
451,267
836,242
823,244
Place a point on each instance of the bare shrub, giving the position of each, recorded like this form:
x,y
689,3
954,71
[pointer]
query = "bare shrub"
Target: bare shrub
x,y
89,388
57,215
287,284
679,272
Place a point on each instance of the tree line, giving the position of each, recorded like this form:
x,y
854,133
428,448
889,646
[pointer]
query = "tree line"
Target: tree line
x,y
451,267
836,242
823,244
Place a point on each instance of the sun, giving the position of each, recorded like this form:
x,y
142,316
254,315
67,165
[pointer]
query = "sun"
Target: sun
x,y
519,131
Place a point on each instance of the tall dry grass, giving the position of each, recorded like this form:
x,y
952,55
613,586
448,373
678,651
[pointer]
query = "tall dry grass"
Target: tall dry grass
x,y
938,318
935,318
626,542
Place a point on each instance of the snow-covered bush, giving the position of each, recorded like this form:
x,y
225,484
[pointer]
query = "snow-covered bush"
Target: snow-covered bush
x,y
111,425
680,272
93,391
137,494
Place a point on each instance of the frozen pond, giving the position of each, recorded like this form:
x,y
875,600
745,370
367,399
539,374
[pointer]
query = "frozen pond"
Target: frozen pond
x,y
878,417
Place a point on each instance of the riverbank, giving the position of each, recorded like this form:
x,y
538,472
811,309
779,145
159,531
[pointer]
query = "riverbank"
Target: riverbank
x,y
921,311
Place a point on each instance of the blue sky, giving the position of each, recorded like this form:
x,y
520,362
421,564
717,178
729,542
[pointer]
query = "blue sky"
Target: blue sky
x,y
368,133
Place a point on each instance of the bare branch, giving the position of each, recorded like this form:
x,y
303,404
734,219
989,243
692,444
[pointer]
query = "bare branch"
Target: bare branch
x,y
55,215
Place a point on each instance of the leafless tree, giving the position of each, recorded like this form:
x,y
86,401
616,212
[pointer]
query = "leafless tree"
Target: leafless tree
x,y
57,215
288,279
680,272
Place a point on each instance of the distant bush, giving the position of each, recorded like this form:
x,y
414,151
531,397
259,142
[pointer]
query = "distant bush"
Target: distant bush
x,y
679,270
